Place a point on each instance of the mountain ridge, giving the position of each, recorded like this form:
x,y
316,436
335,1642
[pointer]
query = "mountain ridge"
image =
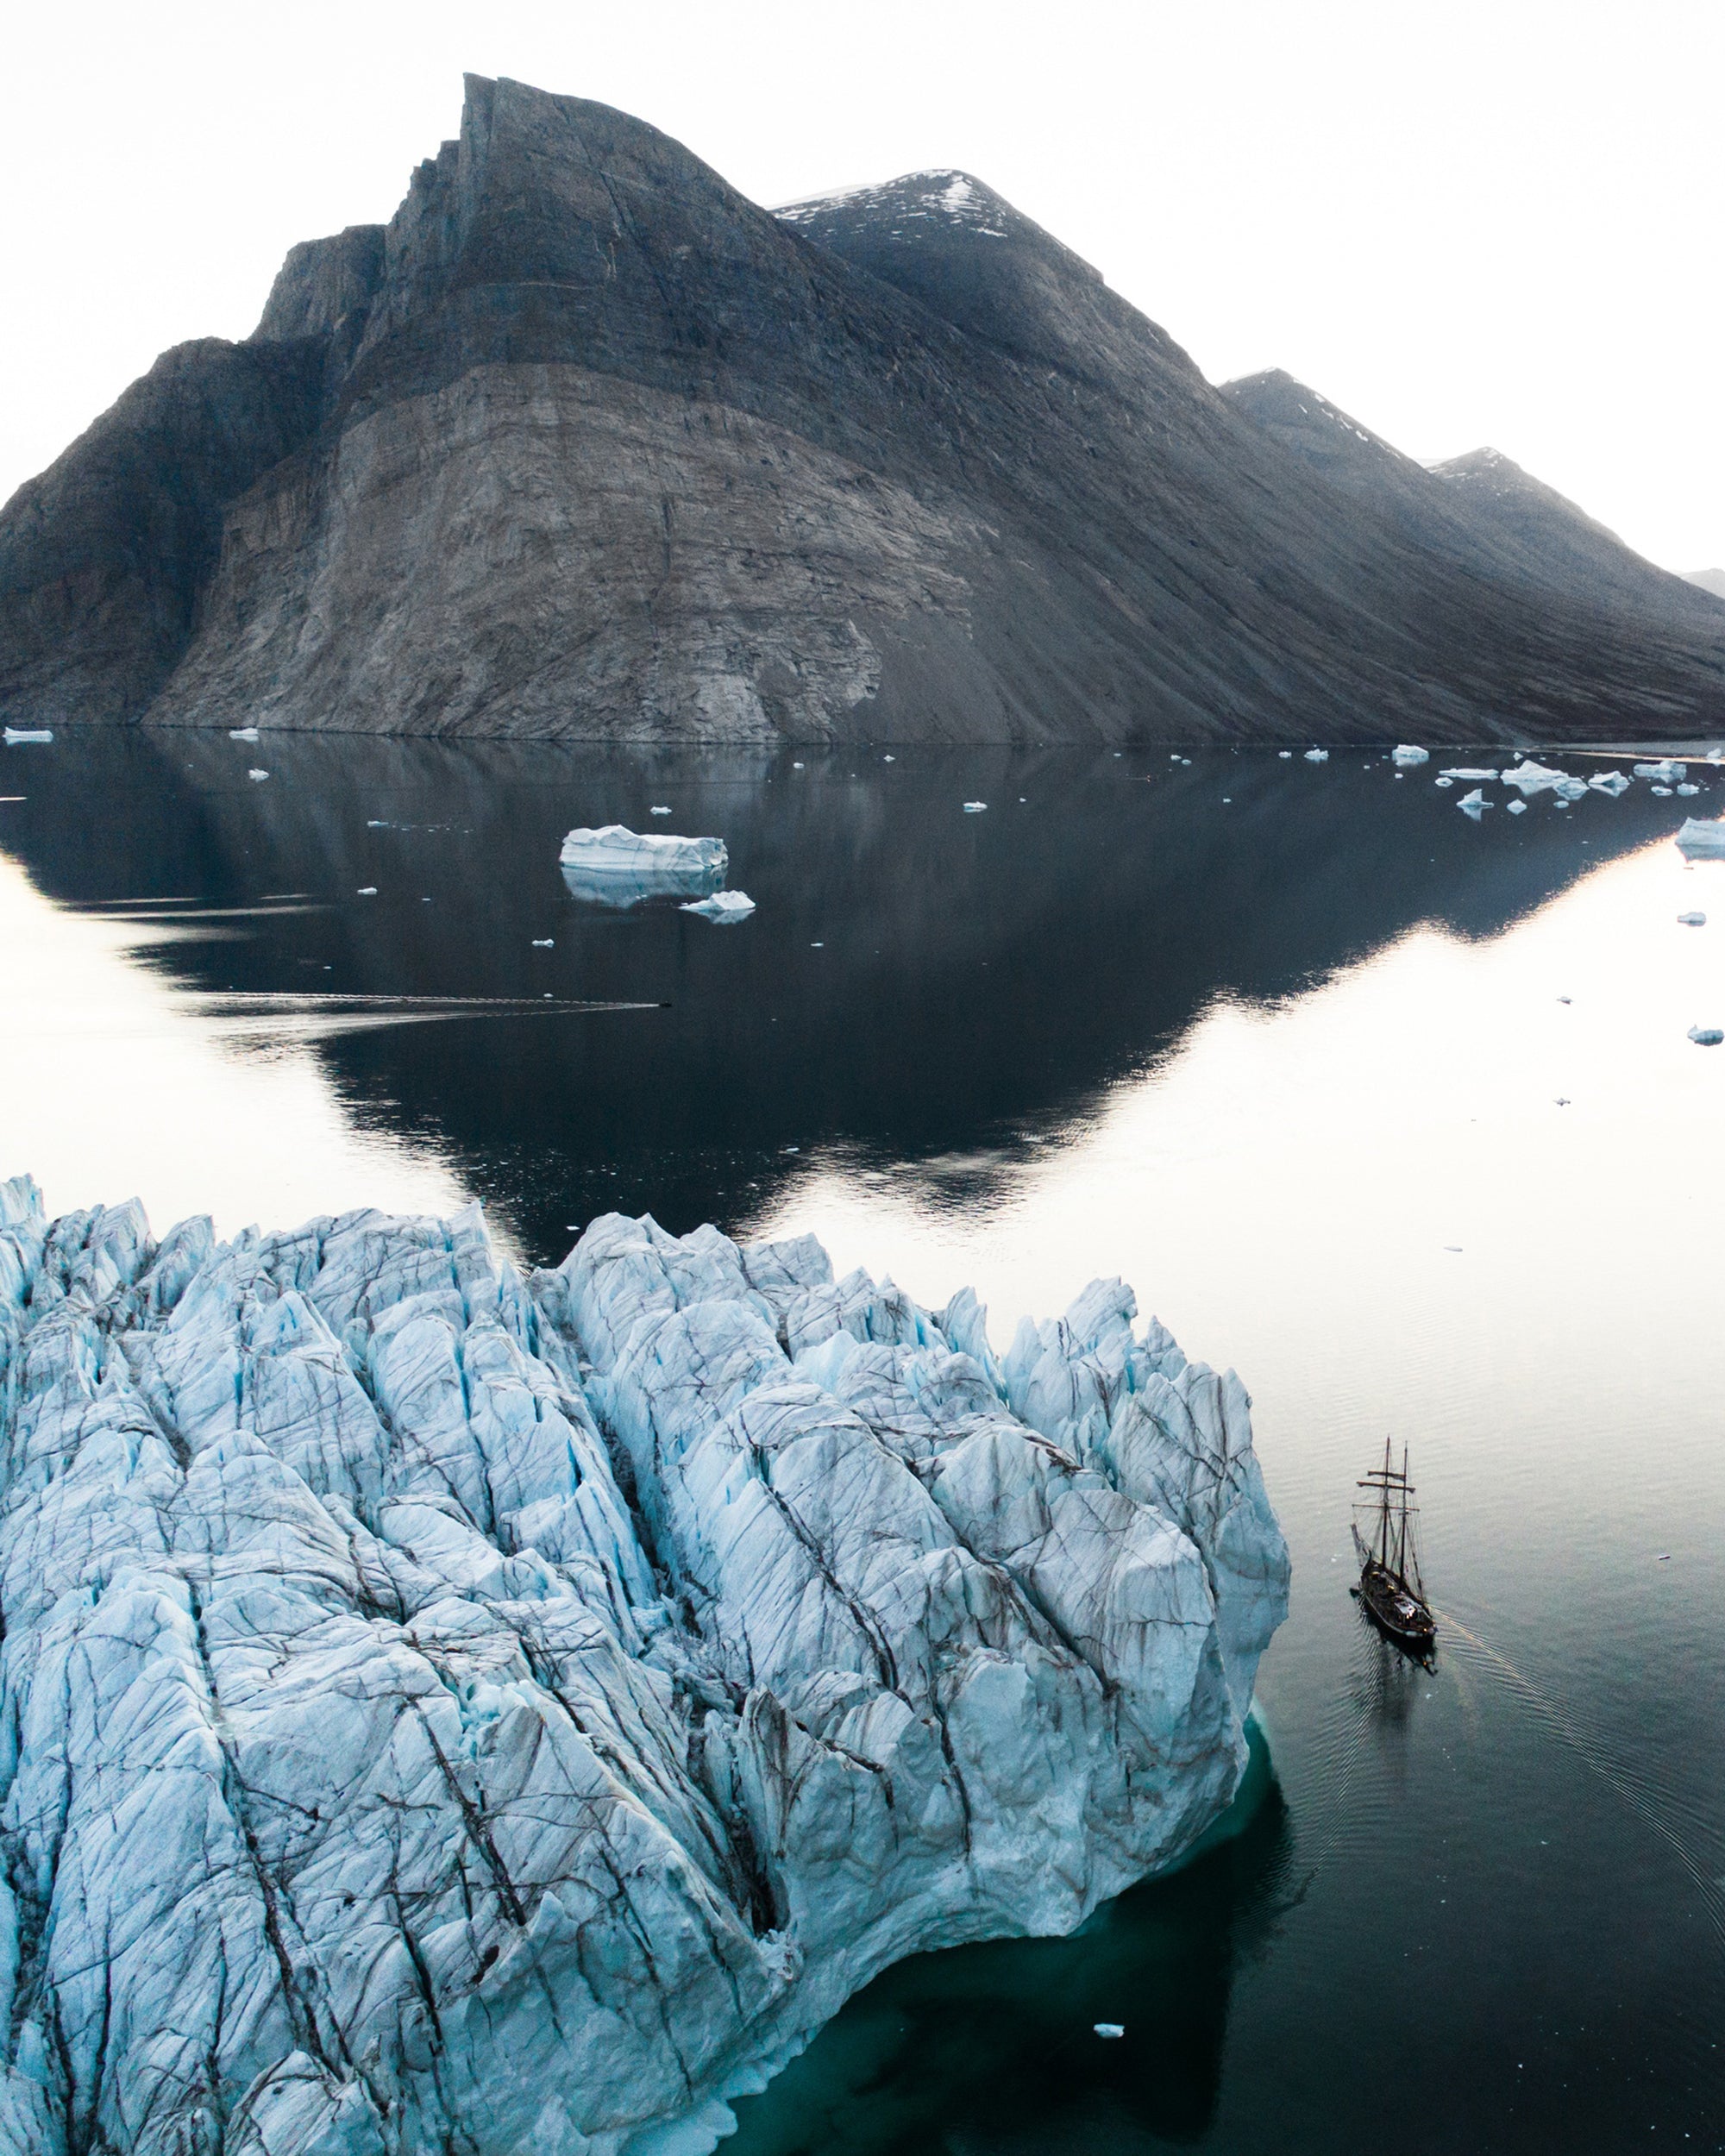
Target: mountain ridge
x,y
584,442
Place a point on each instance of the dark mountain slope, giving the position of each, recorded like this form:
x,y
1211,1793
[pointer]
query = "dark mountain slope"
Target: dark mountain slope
x,y
584,442
1482,511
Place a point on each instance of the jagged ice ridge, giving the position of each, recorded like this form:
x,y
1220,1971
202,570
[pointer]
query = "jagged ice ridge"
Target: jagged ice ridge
x,y
442,1710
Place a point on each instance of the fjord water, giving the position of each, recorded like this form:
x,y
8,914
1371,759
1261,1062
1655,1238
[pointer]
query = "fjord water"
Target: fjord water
x,y
1393,1112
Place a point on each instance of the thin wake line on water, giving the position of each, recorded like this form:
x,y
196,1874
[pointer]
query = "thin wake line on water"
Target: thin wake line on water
x,y
1652,1804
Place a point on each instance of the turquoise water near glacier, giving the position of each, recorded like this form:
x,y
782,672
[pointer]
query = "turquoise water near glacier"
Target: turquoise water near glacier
x,y
1393,1112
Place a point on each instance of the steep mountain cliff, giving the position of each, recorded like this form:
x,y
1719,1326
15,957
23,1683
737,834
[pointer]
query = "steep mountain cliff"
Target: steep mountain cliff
x,y
585,443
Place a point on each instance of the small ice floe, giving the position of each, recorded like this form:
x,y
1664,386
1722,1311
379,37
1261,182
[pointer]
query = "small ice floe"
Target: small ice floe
x,y
1516,808
1317,755
1706,1036
1110,2030
1528,777
797,766
1664,791
1474,805
975,808
1285,755
723,905
540,942
1702,840
1691,920
367,891
1665,770
1664,1557
17,736
1471,773
889,759
1611,782
1443,782
1405,752
618,867
257,776
658,812
242,733
1687,788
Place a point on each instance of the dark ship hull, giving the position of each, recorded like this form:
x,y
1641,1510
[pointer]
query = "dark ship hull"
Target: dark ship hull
x,y
1395,1608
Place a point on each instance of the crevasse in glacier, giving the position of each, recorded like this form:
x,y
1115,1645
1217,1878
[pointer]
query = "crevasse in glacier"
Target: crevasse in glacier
x,y
443,1710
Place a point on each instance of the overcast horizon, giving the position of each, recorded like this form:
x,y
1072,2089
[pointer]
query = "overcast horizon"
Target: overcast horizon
x,y
1496,230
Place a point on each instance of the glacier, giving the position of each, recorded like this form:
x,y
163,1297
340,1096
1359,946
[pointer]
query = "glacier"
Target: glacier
x,y
448,1709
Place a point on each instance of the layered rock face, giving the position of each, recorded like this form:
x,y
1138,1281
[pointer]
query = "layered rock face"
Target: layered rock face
x,y
584,443
444,1710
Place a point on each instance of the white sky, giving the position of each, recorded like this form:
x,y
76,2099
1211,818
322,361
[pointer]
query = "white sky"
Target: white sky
x,y
1463,223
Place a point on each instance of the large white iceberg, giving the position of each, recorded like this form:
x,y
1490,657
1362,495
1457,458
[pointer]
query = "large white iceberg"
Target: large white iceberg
x,y
1703,840
446,1711
619,867
1406,753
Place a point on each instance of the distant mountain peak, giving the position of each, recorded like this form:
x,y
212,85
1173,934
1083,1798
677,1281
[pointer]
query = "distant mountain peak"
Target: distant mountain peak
x,y
943,194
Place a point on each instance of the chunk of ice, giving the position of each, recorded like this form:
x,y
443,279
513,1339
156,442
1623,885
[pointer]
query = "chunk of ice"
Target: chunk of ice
x,y
1518,808
619,867
1703,840
1405,752
1468,771
367,891
1691,920
1286,755
1536,778
544,942
1664,791
1706,1036
257,775
242,733
1317,755
1110,2029
17,735
1688,789
1664,769
1474,805
723,905
975,808
1443,782
1612,782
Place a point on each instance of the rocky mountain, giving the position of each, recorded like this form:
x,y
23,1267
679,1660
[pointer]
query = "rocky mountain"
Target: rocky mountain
x,y
447,1711
584,442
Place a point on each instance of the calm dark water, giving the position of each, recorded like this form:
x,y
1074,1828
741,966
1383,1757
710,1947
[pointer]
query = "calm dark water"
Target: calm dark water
x,y
1393,1112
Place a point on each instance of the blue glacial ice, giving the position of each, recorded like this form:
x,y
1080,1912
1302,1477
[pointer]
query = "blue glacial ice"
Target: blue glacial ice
x,y
442,1709
618,867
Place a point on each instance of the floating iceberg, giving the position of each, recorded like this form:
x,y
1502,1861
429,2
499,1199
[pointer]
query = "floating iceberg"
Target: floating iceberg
x,y
1406,752
1691,920
1706,1036
975,808
1611,782
15,736
1665,771
1535,777
1110,2029
242,733
257,775
1702,840
619,867
723,905
447,1711
1467,771
1516,808
1474,805
1688,789
1317,755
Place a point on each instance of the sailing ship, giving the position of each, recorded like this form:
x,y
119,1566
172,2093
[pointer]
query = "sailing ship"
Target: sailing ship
x,y
1390,1582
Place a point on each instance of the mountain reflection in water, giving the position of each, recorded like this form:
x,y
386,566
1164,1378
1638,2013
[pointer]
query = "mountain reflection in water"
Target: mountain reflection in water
x,y
921,990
